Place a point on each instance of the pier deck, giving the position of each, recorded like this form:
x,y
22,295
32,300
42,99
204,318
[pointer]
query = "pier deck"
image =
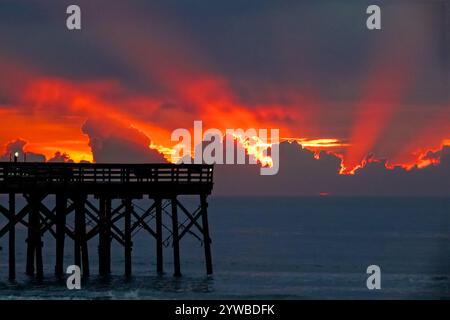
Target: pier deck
x,y
87,191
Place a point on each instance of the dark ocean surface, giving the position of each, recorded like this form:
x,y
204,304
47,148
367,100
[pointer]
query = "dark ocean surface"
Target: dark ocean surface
x,y
281,248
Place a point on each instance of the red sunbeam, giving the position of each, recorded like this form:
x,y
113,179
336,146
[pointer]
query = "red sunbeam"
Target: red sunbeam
x,y
392,76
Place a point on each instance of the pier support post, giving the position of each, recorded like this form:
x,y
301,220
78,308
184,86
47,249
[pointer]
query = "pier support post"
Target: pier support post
x,y
34,242
206,237
77,240
128,243
61,207
159,243
81,250
175,238
104,246
12,237
39,244
101,236
30,242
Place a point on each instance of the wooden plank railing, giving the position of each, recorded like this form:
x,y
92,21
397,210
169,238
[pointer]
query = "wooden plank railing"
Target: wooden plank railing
x,y
105,173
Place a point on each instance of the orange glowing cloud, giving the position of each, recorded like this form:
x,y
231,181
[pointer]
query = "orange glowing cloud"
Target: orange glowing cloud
x,y
181,85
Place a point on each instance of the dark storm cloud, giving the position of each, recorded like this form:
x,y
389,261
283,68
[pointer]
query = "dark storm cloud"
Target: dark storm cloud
x,y
34,33
301,174
112,143
319,44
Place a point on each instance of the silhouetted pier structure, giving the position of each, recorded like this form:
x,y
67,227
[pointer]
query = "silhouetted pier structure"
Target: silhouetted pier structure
x,y
77,187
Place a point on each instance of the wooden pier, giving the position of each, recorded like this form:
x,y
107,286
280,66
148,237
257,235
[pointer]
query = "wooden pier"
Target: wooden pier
x,y
87,191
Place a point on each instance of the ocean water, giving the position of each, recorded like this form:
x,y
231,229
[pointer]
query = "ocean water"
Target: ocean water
x,y
280,248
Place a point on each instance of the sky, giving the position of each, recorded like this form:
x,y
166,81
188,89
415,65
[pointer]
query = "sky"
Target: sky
x,y
115,90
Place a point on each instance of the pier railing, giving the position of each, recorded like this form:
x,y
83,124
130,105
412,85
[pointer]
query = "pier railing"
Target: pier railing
x,y
88,174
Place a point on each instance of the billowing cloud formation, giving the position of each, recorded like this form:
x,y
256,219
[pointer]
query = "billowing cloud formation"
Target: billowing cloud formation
x,y
18,146
60,157
148,67
301,174
114,143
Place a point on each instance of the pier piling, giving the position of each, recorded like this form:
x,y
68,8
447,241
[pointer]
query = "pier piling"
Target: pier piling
x,y
206,237
83,210
159,241
128,243
175,240
12,237
61,212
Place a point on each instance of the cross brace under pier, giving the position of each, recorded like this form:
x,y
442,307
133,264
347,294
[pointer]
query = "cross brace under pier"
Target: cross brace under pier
x,y
85,194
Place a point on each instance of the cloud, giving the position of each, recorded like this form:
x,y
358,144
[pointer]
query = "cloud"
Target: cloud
x,y
301,174
111,142
159,66
301,171
18,146
60,157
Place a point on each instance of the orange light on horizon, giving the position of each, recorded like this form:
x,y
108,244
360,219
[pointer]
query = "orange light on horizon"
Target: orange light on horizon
x,y
256,147
318,143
